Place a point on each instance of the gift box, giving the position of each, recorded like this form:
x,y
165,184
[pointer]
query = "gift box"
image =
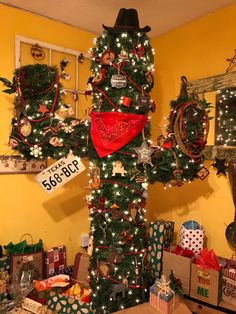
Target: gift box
x,y
42,288
67,304
162,298
180,264
55,260
161,234
229,281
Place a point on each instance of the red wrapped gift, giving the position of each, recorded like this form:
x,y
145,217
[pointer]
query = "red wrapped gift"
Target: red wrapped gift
x,y
55,260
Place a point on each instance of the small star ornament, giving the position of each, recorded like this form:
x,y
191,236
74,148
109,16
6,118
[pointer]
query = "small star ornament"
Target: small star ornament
x,y
43,109
144,154
220,165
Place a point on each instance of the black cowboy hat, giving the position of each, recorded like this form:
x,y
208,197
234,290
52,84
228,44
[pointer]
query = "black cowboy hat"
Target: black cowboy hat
x,y
127,21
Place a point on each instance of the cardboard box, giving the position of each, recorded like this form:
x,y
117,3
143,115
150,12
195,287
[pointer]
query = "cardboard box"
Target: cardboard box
x,y
181,267
164,303
206,285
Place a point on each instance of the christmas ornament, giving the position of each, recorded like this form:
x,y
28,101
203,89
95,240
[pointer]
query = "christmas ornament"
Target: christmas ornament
x,y
64,112
133,208
144,154
90,245
107,57
144,102
144,185
43,109
25,128
67,128
178,178
115,212
203,173
114,257
100,77
134,173
112,130
140,179
150,79
167,145
65,76
123,56
118,169
220,165
95,178
103,268
89,86
75,95
153,106
125,101
64,62
56,142
81,58
126,238
13,143
37,52
74,122
36,151
118,81
138,51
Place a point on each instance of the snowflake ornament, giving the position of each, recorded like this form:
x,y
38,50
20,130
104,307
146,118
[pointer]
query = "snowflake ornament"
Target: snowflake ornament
x,y
36,151
67,128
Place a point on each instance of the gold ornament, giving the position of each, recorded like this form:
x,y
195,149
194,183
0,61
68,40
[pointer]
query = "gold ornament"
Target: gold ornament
x,y
26,128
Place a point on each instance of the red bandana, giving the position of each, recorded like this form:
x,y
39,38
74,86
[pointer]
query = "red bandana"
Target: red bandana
x,y
112,130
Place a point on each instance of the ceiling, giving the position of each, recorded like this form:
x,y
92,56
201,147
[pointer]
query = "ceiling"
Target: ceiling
x,y
161,15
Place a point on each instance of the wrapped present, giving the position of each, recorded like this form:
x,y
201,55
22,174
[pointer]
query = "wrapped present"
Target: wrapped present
x,y
162,297
192,236
55,260
161,234
42,288
62,303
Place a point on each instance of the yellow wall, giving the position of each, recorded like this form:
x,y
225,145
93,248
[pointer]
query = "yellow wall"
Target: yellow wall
x,y
25,207
198,49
